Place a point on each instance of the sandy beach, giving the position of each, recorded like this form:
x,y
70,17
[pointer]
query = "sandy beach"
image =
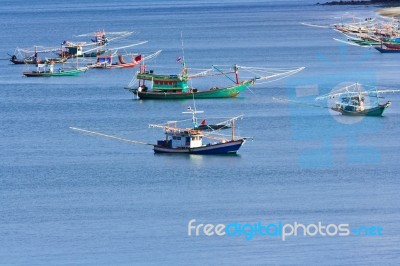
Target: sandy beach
x,y
390,12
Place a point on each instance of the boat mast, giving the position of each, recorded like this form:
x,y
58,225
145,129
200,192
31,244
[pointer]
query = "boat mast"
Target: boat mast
x,y
184,69
233,129
235,67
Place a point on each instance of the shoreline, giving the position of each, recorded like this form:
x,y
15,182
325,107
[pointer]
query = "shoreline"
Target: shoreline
x,y
382,3
389,8
390,12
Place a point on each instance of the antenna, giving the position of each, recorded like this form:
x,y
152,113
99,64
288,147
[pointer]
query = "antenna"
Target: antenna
x,y
183,51
193,112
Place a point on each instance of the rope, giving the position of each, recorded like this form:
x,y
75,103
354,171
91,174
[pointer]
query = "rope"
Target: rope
x,y
109,136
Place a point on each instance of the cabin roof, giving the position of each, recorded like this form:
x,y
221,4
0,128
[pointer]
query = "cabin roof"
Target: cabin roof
x,y
150,76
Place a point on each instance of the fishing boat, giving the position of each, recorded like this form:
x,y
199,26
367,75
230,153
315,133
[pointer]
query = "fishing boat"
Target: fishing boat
x,y
177,86
94,48
203,124
47,70
356,101
368,33
360,39
31,56
106,61
187,140
190,141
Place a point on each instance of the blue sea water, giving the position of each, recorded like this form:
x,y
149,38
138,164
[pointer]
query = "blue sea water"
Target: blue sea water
x,y
72,199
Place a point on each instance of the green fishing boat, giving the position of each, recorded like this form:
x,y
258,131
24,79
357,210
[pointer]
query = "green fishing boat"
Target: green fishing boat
x,y
357,101
156,86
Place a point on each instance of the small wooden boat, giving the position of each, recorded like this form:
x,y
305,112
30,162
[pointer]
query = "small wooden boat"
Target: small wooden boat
x,y
47,70
99,42
353,110
31,56
34,60
211,127
356,101
106,61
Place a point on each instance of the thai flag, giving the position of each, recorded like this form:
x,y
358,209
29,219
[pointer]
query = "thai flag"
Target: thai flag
x,y
138,58
179,59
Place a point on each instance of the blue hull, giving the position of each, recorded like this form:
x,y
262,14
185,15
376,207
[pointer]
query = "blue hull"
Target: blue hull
x,y
387,50
219,148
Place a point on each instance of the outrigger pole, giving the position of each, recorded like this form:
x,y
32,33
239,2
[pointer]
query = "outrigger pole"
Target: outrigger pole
x,y
109,136
281,100
237,78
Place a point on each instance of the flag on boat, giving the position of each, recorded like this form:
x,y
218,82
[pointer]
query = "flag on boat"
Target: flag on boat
x,y
138,58
179,59
203,122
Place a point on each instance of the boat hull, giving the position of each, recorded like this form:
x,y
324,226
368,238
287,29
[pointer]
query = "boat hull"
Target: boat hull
x,y
35,62
228,92
54,74
376,111
211,127
228,147
392,45
126,65
387,50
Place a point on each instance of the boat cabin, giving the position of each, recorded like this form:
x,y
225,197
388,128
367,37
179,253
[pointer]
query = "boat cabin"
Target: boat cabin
x,y
163,83
44,68
353,104
104,60
181,139
74,50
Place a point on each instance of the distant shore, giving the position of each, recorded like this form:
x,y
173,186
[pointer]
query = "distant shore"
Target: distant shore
x,y
387,3
392,7
390,12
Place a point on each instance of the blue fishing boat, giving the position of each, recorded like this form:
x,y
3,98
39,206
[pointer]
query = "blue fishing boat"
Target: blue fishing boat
x,y
190,140
187,140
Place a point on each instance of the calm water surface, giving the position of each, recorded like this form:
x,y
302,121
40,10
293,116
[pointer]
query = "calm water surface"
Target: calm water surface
x,y
70,198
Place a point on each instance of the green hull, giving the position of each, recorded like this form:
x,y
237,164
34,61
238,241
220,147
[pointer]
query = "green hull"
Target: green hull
x,y
62,73
228,92
365,42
